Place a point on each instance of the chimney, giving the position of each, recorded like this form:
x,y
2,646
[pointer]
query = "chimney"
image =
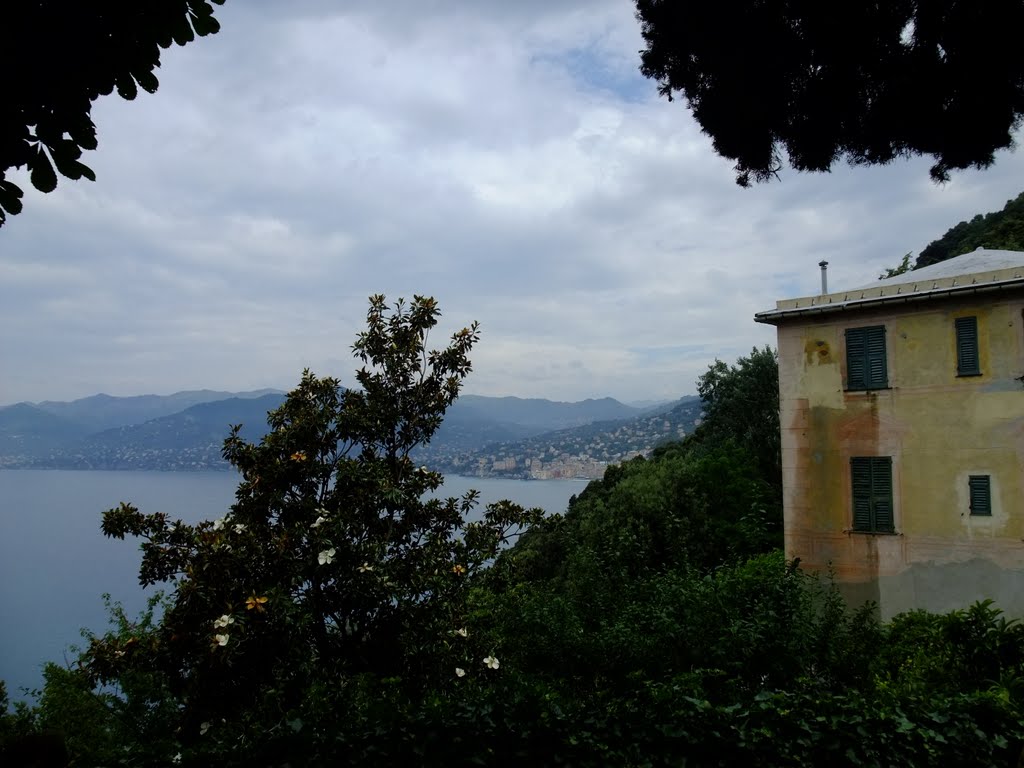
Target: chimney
x,y
824,276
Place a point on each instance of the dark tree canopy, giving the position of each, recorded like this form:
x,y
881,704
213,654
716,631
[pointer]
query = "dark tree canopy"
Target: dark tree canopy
x,y
818,82
59,57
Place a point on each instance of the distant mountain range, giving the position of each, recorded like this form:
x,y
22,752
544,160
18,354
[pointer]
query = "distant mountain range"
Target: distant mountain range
x,y
186,430
180,431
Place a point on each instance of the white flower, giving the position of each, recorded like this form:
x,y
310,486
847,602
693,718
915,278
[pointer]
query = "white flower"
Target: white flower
x,y
221,639
204,727
223,621
461,632
325,557
319,521
490,662
218,524
460,672
239,528
365,567
177,758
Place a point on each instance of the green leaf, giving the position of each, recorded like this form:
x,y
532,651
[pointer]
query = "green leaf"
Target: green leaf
x,y
126,88
72,168
205,25
42,174
182,32
10,198
147,80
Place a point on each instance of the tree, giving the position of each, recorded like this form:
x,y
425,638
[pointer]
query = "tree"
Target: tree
x,y
997,230
741,405
900,269
60,57
868,82
333,571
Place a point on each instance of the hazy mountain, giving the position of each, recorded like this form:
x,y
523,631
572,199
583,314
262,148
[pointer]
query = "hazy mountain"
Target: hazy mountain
x,y
540,414
190,439
190,436
581,451
647,405
101,411
467,430
25,429
196,424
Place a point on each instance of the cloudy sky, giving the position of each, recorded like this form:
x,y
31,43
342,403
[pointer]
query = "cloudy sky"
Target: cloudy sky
x,y
505,158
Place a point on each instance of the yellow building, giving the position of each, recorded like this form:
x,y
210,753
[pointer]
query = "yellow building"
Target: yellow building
x,y
902,412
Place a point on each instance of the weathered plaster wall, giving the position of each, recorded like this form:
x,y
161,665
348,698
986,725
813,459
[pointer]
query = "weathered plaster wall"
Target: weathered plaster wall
x,y
937,427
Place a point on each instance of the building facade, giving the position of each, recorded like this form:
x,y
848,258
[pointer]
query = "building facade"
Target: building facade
x,y
902,414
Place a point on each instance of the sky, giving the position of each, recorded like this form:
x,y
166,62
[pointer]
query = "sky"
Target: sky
x,y
507,159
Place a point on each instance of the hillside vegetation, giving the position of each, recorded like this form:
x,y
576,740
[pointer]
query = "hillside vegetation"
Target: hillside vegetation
x,y
998,230
338,615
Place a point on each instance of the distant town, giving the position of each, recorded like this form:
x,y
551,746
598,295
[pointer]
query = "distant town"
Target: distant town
x,y
579,453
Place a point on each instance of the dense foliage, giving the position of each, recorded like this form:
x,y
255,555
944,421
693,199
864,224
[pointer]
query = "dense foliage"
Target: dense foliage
x,y
815,83
66,55
338,615
741,406
996,230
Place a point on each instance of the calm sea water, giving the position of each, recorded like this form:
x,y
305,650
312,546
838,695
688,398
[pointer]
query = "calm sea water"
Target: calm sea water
x,y
55,563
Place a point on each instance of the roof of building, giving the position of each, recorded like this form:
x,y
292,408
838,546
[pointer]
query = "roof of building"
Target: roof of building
x,y
976,262
980,270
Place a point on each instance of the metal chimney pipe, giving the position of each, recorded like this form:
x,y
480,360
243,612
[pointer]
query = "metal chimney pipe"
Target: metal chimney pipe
x,y
824,276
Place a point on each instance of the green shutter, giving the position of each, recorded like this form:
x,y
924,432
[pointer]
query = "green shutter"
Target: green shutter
x,y
860,472
967,346
881,488
981,494
865,358
856,377
877,378
871,477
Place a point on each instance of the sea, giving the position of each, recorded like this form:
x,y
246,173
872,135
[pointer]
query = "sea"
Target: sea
x,y
55,563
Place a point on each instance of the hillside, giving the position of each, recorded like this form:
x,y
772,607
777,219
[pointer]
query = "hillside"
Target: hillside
x,y
26,429
63,435
997,230
101,411
191,439
539,414
583,451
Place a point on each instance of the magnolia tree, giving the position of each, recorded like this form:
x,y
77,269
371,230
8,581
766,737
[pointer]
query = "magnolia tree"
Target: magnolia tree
x,y
335,568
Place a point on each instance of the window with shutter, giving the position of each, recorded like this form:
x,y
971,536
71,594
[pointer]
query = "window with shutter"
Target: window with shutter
x,y
967,363
981,494
871,477
865,358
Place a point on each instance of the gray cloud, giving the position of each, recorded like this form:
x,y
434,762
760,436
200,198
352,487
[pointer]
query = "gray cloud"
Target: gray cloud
x,y
505,158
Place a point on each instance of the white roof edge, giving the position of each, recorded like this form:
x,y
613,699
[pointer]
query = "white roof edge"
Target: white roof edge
x,y
971,271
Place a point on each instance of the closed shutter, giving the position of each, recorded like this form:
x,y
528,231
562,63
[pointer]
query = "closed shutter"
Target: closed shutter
x,y
881,482
860,472
871,477
981,494
856,368
877,378
967,363
865,358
